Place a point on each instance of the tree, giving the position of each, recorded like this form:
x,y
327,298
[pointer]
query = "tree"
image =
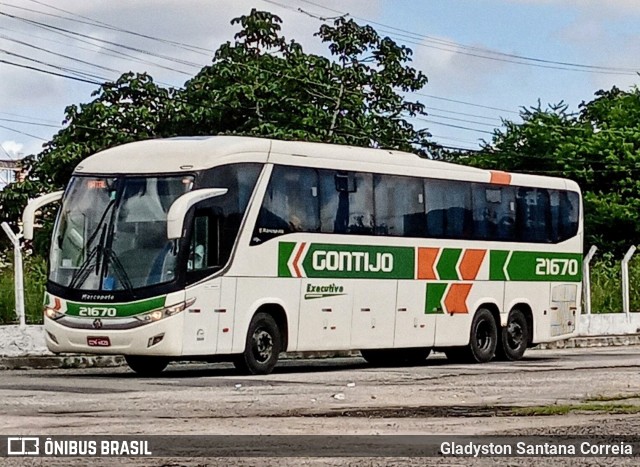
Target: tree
x,y
264,85
260,85
598,147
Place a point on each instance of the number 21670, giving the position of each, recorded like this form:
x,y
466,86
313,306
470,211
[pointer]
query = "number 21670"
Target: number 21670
x,y
556,267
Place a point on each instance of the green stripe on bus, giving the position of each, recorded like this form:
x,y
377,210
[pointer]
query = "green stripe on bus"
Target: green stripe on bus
x,y
537,266
435,292
497,260
447,264
284,253
122,309
359,262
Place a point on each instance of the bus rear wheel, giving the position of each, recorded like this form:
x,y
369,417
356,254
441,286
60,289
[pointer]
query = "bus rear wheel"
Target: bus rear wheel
x,y
483,340
513,337
262,347
146,366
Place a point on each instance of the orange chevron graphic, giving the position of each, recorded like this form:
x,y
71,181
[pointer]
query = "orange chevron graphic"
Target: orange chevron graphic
x,y
296,260
456,298
470,264
426,262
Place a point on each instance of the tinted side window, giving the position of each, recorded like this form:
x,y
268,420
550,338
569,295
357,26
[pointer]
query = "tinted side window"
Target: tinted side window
x,y
569,207
494,212
399,205
448,208
346,202
533,215
291,204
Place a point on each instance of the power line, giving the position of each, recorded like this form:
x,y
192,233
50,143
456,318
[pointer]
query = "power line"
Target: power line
x,y
42,49
463,113
25,122
27,116
462,120
49,72
102,24
484,53
23,133
104,41
6,152
446,99
78,73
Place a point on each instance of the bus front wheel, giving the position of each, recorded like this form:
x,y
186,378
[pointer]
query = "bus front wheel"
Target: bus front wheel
x,y
262,348
146,366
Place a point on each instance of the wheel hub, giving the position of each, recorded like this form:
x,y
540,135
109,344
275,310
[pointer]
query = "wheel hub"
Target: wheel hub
x,y
262,345
514,335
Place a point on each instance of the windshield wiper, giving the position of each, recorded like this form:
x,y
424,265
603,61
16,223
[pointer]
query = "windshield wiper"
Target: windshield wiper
x,y
82,273
118,268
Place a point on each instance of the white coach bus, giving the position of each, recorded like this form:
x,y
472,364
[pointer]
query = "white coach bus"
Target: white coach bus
x,y
241,248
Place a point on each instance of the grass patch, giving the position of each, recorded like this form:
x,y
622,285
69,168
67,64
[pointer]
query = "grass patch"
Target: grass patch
x,y
618,397
563,409
35,276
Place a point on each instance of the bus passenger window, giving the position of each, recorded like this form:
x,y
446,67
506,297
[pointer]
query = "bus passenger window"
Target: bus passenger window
x,y
289,205
399,205
569,210
346,202
494,210
448,208
534,215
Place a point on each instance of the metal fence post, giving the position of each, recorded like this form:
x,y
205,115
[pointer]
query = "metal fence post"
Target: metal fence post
x,y
625,279
586,278
18,273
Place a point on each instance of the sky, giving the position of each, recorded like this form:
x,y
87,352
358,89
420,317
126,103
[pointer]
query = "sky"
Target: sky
x,y
485,59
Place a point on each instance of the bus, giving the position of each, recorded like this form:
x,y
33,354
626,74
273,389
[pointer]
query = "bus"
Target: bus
x,y
238,249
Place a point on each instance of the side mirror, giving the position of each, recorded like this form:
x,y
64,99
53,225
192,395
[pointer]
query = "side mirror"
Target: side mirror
x,y
179,208
29,214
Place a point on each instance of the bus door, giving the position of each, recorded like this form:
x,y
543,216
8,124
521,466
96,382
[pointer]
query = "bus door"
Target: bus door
x,y
415,325
325,314
373,313
201,319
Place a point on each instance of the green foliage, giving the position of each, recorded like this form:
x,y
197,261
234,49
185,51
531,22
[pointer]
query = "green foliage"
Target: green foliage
x,y
265,85
35,277
598,147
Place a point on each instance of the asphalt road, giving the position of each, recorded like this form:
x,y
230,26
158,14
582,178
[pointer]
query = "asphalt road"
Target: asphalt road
x,y
336,396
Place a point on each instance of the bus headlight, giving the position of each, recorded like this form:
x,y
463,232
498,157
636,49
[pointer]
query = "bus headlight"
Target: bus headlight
x,y
157,315
52,313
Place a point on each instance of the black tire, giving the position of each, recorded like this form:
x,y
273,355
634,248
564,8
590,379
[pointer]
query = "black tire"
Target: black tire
x,y
146,366
262,347
396,357
484,337
483,340
514,337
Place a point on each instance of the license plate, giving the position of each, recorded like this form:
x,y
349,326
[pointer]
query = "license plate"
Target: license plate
x,y
98,342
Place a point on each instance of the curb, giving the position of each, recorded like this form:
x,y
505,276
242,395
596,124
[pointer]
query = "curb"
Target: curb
x,y
47,362
44,362
592,341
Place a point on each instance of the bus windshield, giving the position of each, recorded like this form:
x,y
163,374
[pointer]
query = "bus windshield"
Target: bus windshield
x,y
111,233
